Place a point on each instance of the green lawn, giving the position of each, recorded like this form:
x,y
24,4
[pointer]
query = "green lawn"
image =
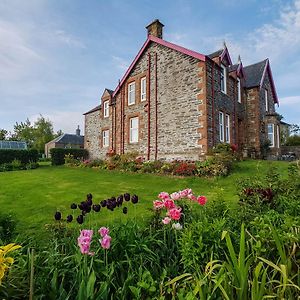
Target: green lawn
x,y
33,196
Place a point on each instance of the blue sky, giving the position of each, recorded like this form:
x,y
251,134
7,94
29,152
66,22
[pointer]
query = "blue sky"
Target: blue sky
x,y
57,56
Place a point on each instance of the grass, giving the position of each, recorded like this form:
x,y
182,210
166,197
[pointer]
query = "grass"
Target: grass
x,y
33,196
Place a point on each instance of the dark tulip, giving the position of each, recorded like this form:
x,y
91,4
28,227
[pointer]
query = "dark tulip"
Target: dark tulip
x,y
119,200
89,202
83,212
113,198
103,203
96,207
73,206
113,204
121,197
88,209
80,206
127,197
69,218
125,210
80,219
89,196
134,199
57,216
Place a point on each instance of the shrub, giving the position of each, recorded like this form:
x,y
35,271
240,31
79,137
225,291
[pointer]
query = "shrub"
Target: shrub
x,y
58,155
185,169
24,156
7,227
293,140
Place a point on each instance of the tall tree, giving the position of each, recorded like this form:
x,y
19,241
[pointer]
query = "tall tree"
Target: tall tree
x,y
24,132
43,133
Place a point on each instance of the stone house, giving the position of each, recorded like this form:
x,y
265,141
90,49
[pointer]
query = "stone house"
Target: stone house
x,y
66,141
175,103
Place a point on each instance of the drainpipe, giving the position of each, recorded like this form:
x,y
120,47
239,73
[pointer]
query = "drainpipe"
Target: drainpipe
x,y
213,103
148,97
156,108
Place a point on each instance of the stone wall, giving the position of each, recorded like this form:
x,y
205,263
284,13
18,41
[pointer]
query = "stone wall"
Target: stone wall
x,y
291,149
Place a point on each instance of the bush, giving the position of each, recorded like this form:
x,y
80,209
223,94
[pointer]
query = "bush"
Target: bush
x,y
7,227
185,169
58,155
24,156
293,140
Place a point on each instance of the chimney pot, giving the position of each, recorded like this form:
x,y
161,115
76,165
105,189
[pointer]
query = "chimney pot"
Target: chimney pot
x,y
155,28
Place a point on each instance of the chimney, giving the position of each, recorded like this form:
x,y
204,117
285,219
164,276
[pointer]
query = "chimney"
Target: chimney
x,y
78,131
155,28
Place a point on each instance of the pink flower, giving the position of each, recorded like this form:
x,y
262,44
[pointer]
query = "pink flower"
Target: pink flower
x,y
192,197
174,213
166,220
158,204
84,241
169,204
185,193
175,196
103,231
202,200
105,242
163,195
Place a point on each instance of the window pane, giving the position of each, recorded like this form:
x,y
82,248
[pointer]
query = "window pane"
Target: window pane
x,y
131,93
134,130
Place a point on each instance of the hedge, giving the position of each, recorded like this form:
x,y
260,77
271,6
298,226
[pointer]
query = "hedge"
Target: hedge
x,y
58,155
25,156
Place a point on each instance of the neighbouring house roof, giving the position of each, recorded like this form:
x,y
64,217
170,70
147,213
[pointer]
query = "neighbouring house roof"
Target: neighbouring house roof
x,y
98,107
284,123
162,42
66,138
255,75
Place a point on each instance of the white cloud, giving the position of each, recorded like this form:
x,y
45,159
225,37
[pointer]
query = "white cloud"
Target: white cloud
x,y
68,39
120,62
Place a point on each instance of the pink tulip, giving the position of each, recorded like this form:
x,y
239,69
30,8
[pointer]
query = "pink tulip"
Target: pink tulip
x,y
166,220
84,241
192,197
202,200
105,242
174,213
169,204
163,195
158,204
103,231
185,193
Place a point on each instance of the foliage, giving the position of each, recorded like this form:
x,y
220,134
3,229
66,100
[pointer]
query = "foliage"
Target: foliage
x,y
3,134
58,155
24,156
7,227
293,140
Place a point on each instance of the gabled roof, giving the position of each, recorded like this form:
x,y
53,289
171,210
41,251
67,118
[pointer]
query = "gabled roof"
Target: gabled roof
x,y
255,75
221,53
69,139
110,92
93,110
233,68
238,68
164,43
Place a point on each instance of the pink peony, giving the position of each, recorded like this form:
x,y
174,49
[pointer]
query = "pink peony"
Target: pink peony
x,y
175,196
105,242
166,220
158,204
164,195
103,231
202,200
174,213
169,204
192,197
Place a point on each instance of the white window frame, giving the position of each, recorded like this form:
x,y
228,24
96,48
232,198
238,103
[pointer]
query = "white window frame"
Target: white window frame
x,y
239,90
223,76
227,128
106,109
131,93
133,130
105,138
272,139
266,100
278,136
221,126
143,89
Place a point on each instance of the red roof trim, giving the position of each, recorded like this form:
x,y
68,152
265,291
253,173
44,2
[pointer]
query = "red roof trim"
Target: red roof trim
x,y
157,40
226,53
240,70
268,69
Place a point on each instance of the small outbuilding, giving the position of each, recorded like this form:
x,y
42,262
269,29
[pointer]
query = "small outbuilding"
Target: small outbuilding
x,y
66,141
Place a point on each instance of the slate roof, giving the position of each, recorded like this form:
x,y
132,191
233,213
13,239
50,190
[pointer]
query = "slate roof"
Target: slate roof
x,y
215,54
233,68
66,138
110,91
98,107
254,73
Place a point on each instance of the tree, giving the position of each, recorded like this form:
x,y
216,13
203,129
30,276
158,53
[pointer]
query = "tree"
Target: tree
x,y
43,133
3,134
295,129
23,132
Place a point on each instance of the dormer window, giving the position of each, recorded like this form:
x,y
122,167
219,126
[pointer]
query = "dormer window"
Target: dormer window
x,y
106,109
239,90
223,79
